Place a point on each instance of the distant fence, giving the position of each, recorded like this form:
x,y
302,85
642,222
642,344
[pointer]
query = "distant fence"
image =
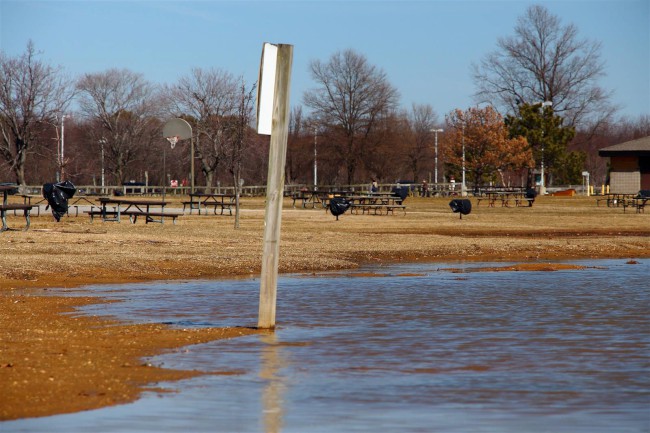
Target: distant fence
x,y
440,189
250,191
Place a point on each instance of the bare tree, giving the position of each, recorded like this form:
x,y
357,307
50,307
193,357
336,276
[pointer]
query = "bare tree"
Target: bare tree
x,y
422,119
33,96
387,157
205,98
351,97
123,106
300,146
239,136
545,61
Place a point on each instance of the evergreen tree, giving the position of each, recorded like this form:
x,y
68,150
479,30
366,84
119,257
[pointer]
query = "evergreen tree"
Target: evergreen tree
x,y
548,140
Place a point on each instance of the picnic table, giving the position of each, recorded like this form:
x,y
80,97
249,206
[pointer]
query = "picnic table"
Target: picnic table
x,y
376,203
637,201
6,207
310,198
27,199
519,198
76,201
615,199
221,201
73,202
112,209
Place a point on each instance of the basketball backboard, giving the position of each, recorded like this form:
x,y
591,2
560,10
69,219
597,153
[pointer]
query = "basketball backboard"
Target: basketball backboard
x,y
177,128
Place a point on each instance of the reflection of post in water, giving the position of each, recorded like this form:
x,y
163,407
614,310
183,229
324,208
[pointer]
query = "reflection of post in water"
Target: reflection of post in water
x,y
272,363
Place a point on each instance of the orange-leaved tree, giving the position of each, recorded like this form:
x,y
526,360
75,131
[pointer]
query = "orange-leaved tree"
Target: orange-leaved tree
x,y
478,140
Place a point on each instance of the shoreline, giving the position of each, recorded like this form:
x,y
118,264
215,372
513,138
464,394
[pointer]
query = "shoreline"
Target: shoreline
x,y
54,362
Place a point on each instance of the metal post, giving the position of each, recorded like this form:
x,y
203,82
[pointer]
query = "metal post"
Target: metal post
x,y
315,158
102,141
435,176
542,183
463,187
62,144
62,159
192,163
164,183
436,171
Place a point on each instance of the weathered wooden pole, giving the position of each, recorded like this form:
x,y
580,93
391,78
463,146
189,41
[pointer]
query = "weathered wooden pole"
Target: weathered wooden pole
x,y
275,180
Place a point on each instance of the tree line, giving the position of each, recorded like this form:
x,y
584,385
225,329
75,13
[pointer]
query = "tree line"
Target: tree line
x,y
538,104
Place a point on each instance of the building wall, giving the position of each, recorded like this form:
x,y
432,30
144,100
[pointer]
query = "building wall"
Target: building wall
x,y
644,168
623,182
625,176
624,163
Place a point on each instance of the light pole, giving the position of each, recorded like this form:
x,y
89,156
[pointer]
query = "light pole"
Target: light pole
x,y
62,153
435,176
463,186
542,183
102,142
315,163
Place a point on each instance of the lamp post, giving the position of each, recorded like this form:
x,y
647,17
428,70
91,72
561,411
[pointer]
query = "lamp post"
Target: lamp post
x,y
315,163
542,184
463,186
102,142
435,176
62,152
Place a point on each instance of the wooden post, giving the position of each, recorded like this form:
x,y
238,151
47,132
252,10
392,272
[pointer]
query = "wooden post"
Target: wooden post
x,y
275,188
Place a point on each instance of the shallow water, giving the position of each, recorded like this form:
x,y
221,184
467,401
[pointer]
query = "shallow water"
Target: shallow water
x,y
416,349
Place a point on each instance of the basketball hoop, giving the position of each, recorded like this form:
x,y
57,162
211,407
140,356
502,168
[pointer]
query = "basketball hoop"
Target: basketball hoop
x,y
172,140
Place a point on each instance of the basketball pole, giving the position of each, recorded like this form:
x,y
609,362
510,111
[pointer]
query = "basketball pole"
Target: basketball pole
x,y
192,162
164,170
275,188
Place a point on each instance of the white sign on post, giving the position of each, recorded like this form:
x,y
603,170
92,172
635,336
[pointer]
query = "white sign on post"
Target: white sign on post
x,y
273,120
266,89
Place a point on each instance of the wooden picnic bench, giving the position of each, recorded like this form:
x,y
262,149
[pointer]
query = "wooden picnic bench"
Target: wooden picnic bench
x,y
521,201
376,208
216,201
74,202
206,204
637,203
492,197
615,199
490,200
133,209
6,207
27,200
310,198
377,204
150,216
112,215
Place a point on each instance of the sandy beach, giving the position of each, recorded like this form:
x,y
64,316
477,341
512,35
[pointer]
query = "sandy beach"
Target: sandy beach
x,y
52,361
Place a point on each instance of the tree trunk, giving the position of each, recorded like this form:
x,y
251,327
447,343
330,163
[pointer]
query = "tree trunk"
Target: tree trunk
x,y
19,162
19,170
351,160
209,178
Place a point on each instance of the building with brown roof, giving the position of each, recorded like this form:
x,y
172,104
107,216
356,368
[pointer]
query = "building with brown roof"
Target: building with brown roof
x,y
629,169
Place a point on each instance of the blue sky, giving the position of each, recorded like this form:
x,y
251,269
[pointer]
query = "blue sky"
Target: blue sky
x,y
426,47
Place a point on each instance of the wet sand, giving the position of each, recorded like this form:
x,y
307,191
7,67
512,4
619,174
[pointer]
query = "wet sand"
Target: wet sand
x,y
52,361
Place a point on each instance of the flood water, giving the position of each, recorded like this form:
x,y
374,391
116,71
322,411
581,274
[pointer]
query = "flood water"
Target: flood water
x,y
413,348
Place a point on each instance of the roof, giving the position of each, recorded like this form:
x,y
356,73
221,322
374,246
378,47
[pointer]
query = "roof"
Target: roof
x,y
638,147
